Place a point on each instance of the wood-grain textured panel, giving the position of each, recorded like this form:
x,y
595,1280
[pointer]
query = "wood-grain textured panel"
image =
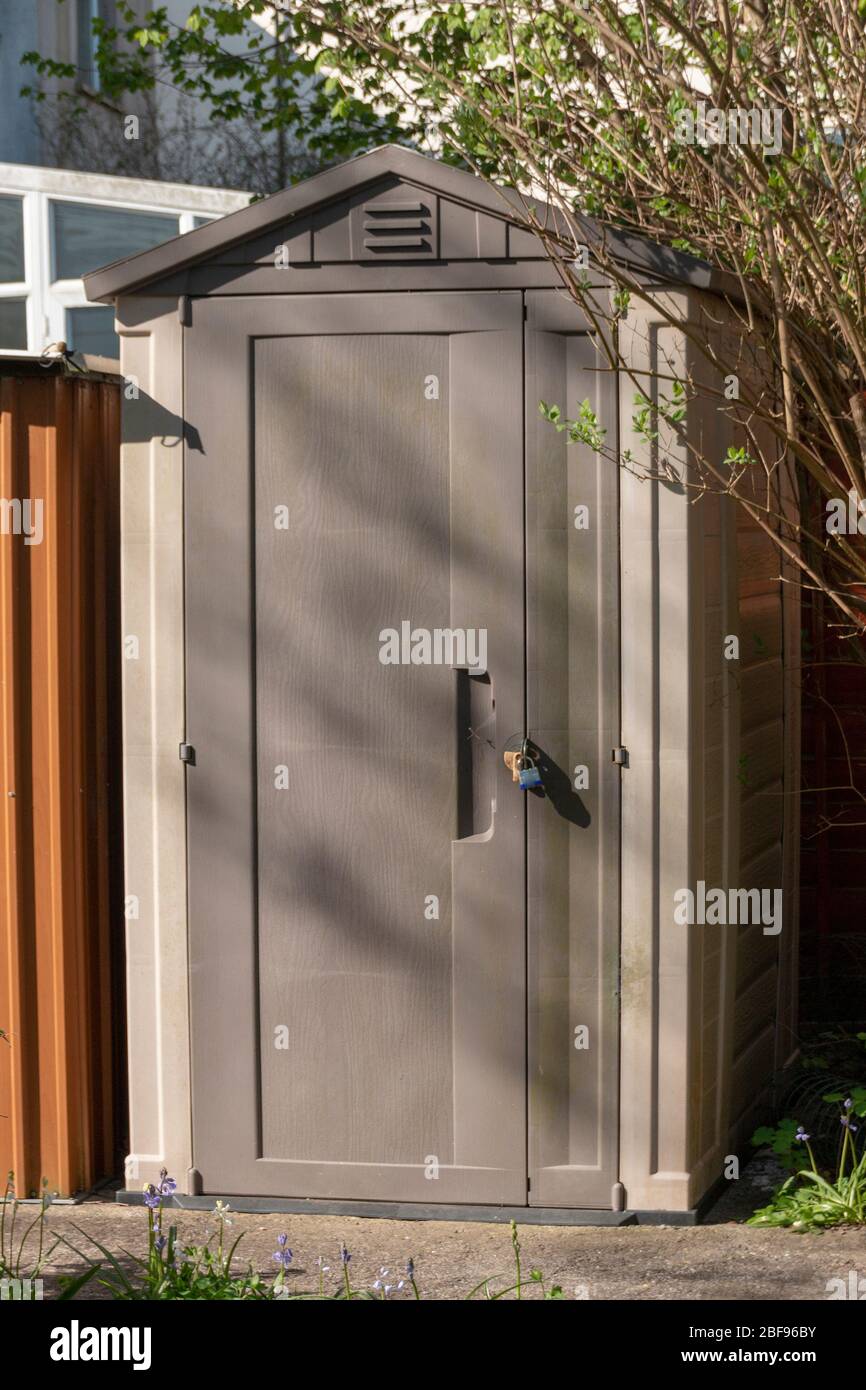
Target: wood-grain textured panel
x,y
405,1033
360,833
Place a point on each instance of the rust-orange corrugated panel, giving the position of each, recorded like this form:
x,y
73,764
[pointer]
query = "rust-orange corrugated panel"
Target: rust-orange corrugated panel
x,y
61,909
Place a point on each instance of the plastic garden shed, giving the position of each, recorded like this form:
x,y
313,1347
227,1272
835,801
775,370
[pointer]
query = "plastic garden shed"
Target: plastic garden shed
x,y
366,966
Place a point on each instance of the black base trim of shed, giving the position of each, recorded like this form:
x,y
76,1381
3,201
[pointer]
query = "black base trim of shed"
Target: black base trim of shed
x,y
420,1211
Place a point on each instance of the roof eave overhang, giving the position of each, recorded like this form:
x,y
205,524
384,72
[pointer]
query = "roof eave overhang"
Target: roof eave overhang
x,y
646,259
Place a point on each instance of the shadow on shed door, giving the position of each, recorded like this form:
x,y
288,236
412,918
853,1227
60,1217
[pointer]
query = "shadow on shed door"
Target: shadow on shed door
x,y
357,849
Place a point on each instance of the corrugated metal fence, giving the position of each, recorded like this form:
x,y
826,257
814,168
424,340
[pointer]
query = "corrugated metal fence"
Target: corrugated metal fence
x,y
61,907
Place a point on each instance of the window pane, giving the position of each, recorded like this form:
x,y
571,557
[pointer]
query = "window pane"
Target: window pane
x,y
86,237
92,330
13,323
86,12
84,27
11,239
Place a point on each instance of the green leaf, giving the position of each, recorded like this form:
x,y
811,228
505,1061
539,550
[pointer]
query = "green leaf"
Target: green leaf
x,y
70,1286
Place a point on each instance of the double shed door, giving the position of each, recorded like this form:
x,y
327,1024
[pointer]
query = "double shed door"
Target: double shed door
x,y
403,969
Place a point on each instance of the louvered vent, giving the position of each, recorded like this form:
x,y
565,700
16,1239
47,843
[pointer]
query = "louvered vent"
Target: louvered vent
x,y
395,230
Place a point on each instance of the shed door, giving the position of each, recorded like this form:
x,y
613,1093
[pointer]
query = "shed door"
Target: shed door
x,y
354,498
572,629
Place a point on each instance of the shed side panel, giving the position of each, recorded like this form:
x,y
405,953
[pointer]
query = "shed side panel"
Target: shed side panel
x,y
153,727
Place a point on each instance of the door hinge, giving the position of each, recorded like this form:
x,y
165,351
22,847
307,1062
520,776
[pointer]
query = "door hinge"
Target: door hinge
x,y
620,756
186,753
184,311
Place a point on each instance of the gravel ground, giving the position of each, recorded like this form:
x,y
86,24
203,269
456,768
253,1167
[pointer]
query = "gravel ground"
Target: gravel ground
x,y
721,1259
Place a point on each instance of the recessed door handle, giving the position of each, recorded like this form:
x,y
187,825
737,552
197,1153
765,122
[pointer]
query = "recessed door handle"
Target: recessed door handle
x,y
476,741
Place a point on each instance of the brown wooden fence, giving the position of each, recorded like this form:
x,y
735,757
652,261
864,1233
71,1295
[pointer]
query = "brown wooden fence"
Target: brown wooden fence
x,y
61,907
833,858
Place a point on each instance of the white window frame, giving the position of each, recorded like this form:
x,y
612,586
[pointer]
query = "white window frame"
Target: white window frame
x,y
47,300
60,295
23,289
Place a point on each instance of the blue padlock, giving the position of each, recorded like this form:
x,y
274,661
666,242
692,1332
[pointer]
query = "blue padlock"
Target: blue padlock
x,y
528,774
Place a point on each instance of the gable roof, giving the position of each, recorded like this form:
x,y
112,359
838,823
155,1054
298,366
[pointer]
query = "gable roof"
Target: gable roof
x,y
134,272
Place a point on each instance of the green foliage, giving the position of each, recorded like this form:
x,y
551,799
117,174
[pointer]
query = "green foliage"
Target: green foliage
x,y
268,78
814,1198
585,428
739,457
648,412
782,1139
808,1201
832,1061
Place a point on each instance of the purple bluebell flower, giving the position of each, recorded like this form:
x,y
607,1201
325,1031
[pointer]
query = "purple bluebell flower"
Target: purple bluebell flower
x,y
154,1193
801,1136
344,1255
410,1268
161,1242
843,1120
283,1256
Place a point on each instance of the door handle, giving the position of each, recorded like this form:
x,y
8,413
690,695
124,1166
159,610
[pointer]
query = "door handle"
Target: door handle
x,y
476,744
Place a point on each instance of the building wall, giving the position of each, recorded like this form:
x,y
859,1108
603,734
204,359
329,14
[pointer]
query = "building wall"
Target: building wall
x,y
19,33
51,30
178,141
